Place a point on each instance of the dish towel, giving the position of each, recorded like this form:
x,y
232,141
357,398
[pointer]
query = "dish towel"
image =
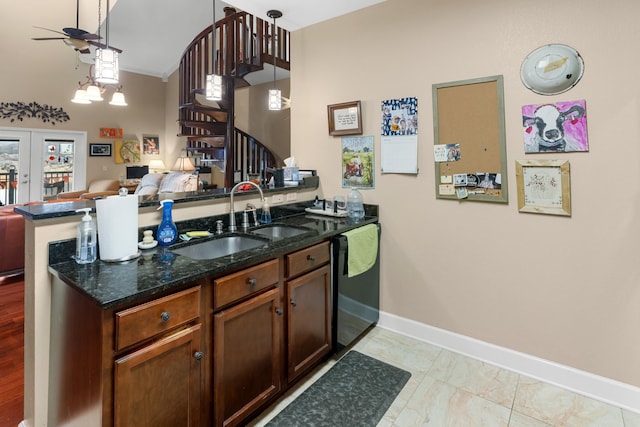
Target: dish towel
x,y
363,249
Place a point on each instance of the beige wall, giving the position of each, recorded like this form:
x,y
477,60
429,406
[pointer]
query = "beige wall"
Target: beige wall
x,y
272,128
563,289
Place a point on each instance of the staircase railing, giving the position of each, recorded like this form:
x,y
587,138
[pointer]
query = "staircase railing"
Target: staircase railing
x,y
244,45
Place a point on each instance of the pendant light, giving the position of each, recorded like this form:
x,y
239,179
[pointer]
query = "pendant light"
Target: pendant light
x,y
213,89
106,69
275,97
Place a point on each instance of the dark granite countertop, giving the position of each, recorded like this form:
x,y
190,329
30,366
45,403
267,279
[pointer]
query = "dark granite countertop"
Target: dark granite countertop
x,y
159,269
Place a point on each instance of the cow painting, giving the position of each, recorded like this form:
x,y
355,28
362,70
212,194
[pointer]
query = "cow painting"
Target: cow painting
x,y
559,127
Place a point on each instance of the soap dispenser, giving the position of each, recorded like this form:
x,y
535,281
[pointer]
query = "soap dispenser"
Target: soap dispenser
x,y
167,231
265,217
86,252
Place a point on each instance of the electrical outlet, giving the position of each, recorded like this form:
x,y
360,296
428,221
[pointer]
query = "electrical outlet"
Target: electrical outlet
x,y
292,196
277,198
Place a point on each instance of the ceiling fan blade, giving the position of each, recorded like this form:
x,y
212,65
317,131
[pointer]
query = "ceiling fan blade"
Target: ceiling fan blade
x,y
49,29
49,38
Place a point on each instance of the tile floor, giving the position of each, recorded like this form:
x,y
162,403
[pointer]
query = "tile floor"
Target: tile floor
x,y
448,389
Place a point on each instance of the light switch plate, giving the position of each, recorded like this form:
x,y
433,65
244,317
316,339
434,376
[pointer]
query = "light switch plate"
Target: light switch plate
x,y
277,198
292,196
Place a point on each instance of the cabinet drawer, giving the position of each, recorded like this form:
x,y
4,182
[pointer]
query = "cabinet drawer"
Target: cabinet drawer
x,y
307,259
147,320
236,286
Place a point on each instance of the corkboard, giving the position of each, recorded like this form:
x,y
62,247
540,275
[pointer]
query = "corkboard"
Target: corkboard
x,y
470,113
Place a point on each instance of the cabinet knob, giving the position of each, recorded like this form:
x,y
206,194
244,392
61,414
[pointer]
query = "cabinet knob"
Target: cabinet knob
x,y
294,303
279,311
311,258
252,282
198,355
165,316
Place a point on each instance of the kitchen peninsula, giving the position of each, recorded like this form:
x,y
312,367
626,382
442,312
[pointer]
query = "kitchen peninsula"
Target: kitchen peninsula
x,y
116,304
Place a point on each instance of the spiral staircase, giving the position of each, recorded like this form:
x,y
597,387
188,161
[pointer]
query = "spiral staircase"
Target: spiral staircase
x,y
244,44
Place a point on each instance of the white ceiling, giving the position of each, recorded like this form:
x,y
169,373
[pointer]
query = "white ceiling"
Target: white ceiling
x,y
154,33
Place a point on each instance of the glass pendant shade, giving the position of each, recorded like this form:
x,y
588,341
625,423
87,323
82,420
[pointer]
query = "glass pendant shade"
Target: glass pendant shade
x,y
214,87
94,93
275,99
106,67
81,97
118,99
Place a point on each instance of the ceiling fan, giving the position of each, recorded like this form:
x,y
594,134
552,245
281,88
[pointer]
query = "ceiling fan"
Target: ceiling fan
x,y
80,40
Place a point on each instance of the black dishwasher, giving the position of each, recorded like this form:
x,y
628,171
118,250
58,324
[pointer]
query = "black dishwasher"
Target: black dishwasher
x,y
356,300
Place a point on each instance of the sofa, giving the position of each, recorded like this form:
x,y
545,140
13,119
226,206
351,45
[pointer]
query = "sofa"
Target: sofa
x,y
96,189
172,182
11,242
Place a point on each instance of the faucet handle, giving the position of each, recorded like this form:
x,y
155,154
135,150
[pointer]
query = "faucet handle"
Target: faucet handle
x,y
219,225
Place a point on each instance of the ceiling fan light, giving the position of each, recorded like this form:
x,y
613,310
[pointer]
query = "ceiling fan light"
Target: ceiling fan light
x,y
106,67
81,97
118,99
213,88
94,93
275,99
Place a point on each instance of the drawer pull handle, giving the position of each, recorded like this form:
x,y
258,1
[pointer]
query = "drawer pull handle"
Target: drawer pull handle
x,y
279,311
252,282
165,316
198,355
311,258
294,303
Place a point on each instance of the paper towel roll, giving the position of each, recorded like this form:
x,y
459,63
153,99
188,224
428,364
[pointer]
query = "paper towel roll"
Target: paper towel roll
x,y
117,227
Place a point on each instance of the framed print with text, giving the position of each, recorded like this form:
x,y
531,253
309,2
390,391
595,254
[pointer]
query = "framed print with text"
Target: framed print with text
x,y
544,187
345,118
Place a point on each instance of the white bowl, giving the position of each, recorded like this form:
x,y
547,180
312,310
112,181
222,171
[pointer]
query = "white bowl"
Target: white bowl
x,y
552,69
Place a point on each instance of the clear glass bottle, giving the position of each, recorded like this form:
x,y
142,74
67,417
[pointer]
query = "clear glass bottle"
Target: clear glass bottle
x,y
167,232
355,207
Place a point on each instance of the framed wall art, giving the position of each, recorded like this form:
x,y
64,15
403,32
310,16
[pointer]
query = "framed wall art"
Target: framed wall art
x,y
544,187
345,118
100,150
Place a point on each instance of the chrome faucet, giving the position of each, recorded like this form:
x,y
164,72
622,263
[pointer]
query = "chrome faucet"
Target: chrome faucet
x,y
232,214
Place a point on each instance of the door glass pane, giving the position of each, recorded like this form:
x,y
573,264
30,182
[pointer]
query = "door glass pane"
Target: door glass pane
x,y
57,175
9,158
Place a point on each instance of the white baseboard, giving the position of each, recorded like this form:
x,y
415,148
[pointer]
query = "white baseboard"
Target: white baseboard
x,y
601,388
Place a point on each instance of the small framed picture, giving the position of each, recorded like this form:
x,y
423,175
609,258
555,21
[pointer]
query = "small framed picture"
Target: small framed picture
x,y
100,150
345,119
544,187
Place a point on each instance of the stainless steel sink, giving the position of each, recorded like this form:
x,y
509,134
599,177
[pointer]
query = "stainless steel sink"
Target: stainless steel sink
x,y
279,231
220,247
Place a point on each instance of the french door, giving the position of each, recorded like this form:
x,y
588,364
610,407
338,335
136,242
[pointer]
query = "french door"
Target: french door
x,y
39,164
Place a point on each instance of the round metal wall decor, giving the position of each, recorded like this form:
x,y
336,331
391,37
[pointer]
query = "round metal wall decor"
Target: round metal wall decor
x,y
552,69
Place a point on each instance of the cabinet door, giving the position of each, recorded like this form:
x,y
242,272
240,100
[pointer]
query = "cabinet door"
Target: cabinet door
x,y
247,357
160,384
309,320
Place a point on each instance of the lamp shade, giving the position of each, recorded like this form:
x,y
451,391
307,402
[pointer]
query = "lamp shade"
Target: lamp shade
x,y
183,164
275,99
94,93
214,87
156,165
81,97
106,66
118,99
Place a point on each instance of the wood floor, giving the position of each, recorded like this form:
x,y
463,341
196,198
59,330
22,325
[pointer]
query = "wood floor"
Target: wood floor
x,y
11,351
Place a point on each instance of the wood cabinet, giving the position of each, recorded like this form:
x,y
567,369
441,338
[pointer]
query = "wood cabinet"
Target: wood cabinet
x,y
309,309
160,383
247,337
149,363
145,365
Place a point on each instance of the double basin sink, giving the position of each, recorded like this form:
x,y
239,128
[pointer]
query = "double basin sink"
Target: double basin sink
x,y
229,245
